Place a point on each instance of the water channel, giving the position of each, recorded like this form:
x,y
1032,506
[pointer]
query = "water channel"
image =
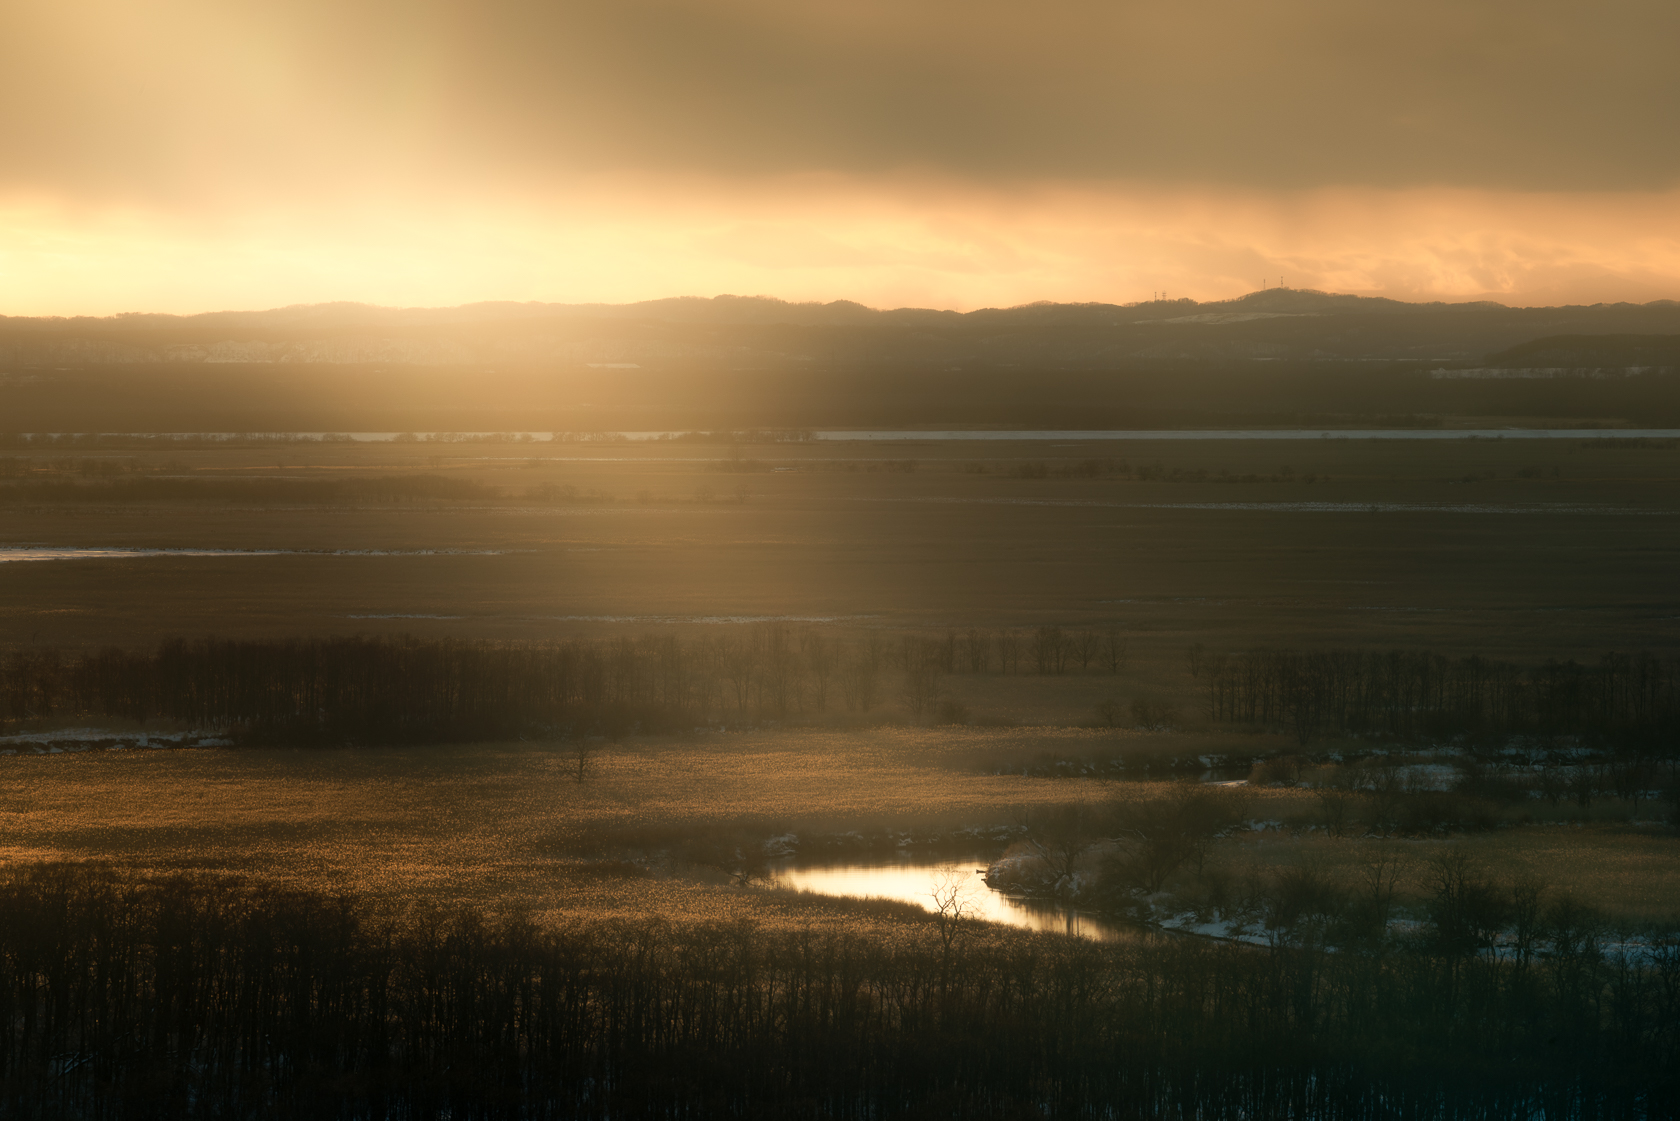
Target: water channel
x,y
914,881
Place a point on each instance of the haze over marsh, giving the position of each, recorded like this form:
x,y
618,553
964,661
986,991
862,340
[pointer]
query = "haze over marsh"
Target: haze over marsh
x,y
1154,599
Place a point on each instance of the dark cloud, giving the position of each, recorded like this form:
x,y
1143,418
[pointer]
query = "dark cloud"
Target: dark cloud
x,y
250,99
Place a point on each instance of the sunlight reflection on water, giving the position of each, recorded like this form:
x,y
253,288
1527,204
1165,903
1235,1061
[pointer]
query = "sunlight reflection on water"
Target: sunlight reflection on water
x,y
914,883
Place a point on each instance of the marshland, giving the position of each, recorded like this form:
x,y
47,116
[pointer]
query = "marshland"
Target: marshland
x,y
1387,719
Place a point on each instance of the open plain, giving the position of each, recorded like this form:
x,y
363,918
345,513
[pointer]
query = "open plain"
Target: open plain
x,y
1517,549
1538,548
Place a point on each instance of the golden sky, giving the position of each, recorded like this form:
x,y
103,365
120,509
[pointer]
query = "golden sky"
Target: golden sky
x,y
187,155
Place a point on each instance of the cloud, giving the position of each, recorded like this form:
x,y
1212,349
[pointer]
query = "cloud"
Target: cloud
x,y
187,98
182,154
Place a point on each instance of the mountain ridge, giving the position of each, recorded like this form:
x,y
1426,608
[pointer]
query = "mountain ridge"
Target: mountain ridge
x,y
729,331
764,310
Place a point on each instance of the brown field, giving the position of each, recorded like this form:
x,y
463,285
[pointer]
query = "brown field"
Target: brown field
x,y
481,810
839,537
1629,873
507,826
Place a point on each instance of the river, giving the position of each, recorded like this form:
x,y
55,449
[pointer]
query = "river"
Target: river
x,y
914,882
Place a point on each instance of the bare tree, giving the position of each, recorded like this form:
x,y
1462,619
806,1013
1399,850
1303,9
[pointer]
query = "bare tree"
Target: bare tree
x,y
778,668
1334,789
956,898
1060,836
1385,787
1630,775
1466,911
978,647
1583,784
738,661
819,656
581,752
922,683
1113,650
1009,651
1086,645
1049,648
1553,782
1527,916
1379,876
876,652
1152,712
1160,834
858,676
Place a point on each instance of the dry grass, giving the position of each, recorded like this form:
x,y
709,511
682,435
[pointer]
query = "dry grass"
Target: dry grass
x,y
1631,874
499,824
505,825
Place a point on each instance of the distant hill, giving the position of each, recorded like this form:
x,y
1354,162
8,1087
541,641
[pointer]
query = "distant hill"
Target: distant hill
x,y
1278,324
1282,357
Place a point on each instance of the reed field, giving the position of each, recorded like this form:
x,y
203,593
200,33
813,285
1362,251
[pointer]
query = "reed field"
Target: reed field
x,y
507,827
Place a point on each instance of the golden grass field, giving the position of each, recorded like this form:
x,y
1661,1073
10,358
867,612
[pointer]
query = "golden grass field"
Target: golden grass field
x,y
1629,873
479,820
507,826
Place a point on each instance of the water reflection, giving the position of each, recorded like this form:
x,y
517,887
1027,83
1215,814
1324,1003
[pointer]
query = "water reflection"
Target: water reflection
x,y
915,882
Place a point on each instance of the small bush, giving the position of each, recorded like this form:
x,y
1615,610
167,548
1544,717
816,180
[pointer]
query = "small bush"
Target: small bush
x,y
1279,770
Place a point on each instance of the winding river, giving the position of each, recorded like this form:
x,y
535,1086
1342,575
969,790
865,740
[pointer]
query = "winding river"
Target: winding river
x,y
914,882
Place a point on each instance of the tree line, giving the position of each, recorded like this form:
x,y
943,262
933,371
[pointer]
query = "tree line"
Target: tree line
x,y
410,689
1623,699
128,997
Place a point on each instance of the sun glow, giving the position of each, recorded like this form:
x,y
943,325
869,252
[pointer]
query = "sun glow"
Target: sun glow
x,y
884,242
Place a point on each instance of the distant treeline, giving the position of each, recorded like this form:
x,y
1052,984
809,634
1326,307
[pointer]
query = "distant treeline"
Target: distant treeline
x,y
1630,700
406,689
412,690
186,997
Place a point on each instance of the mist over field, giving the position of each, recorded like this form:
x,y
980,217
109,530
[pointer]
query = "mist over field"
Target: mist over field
x,y
1278,358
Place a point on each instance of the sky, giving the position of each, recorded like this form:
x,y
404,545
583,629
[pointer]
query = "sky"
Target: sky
x,y
189,155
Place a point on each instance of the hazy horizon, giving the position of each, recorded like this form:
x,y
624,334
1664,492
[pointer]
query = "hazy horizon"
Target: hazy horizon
x,y
837,301
1166,608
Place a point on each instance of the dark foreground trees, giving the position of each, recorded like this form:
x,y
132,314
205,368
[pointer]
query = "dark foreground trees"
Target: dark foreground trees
x,y
187,997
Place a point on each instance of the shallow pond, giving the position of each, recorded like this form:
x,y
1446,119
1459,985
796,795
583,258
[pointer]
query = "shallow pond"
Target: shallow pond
x,y
914,882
